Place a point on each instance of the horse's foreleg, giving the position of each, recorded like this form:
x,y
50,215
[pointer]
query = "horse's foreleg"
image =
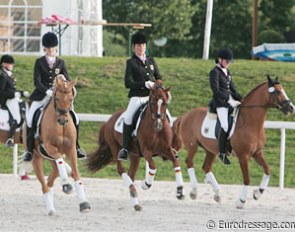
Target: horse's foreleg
x,y
66,185
243,159
150,174
260,159
191,151
133,193
83,202
178,174
210,178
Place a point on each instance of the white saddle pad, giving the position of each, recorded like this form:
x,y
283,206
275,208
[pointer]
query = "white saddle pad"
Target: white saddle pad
x,y
4,118
209,124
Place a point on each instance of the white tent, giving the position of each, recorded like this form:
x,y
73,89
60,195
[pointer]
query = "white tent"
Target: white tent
x,y
20,33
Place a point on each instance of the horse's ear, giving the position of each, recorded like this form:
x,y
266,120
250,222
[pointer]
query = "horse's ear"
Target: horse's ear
x,y
270,81
168,94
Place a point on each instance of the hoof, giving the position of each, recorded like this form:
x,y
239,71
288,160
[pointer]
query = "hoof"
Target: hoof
x,y
67,188
217,197
240,204
85,207
180,193
51,212
193,194
137,207
257,194
145,186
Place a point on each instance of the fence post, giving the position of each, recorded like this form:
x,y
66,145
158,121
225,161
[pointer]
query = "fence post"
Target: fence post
x,y
282,157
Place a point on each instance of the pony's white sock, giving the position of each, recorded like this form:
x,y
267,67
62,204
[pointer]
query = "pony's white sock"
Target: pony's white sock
x,y
264,181
60,163
127,180
150,176
243,194
192,177
178,176
210,178
80,191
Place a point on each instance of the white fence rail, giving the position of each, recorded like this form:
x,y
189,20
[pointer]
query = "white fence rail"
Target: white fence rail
x,y
268,124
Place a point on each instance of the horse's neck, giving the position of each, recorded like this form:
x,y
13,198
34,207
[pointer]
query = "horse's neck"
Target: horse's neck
x,y
254,108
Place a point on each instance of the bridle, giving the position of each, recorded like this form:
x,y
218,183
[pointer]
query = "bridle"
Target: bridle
x,y
157,115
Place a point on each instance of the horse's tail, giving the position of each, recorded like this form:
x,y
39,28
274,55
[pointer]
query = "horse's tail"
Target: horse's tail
x,y
98,159
176,142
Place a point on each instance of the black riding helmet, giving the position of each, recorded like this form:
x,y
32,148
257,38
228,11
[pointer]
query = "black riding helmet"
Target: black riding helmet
x,y
49,40
138,38
7,59
226,54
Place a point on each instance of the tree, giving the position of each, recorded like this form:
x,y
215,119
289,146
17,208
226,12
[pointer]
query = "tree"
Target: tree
x,y
170,19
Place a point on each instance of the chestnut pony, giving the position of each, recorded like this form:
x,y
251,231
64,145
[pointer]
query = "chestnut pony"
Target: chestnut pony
x,y
247,141
154,136
58,135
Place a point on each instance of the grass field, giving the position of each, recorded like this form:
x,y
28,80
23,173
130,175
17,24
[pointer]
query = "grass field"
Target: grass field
x,y
101,90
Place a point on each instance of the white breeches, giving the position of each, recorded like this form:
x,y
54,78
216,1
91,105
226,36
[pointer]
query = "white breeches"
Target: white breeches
x,y
34,106
133,105
222,113
13,107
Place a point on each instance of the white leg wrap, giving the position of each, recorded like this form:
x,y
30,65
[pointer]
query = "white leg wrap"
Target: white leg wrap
x,y
127,180
264,181
178,176
48,198
134,201
210,178
192,177
150,176
60,163
243,194
80,191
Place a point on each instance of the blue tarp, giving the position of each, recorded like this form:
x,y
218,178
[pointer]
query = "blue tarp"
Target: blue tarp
x,y
278,52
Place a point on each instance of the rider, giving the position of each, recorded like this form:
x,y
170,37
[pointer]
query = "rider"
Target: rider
x,y
9,95
46,69
225,95
140,74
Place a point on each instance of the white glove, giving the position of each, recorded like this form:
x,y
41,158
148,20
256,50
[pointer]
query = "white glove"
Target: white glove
x,y
234,103
49,92
26,94
149,84
17,94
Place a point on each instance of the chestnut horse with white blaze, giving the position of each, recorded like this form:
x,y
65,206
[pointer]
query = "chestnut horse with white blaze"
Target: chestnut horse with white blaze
x,y
247,140
154,136
58,135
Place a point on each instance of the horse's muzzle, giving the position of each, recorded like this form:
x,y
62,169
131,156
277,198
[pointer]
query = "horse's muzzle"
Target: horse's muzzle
x,y
62,121
288,107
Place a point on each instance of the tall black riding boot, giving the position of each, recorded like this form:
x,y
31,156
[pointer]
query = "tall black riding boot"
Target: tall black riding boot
x,y
30,145
11,132
127,131
222,138
81,154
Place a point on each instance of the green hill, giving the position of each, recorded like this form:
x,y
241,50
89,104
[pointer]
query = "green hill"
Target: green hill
x,y
101,90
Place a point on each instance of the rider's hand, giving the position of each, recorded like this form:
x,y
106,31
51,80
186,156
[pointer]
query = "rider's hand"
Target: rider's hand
x,y
17,94
149,84
234,103
26,94
49,92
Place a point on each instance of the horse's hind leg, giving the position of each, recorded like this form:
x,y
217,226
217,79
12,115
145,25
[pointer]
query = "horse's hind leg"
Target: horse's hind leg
x,y
210,178
128,181
191,151
260,159
48,193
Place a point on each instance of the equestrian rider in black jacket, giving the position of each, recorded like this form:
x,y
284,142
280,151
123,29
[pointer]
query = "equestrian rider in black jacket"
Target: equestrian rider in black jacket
x,y
225,95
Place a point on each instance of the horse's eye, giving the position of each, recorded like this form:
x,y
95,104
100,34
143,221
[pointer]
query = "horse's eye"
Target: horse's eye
x,y
278,92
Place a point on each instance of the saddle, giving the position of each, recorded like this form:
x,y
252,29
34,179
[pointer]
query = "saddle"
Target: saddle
x,y
6,118
211,125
